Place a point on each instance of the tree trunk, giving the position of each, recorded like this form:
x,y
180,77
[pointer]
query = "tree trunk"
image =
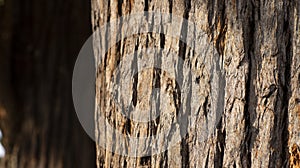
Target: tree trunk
x,y
236,92
40,41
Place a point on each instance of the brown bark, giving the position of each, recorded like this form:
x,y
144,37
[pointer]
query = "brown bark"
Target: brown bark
x,y
40,41
294,101
256,44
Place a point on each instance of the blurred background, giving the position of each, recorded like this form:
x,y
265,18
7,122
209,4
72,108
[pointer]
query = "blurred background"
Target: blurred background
x,y
39,44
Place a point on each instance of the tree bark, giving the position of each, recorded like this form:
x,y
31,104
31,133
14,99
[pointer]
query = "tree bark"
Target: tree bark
x,y
253,48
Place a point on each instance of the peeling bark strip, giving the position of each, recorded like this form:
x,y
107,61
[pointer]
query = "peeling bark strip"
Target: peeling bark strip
x,y
251,78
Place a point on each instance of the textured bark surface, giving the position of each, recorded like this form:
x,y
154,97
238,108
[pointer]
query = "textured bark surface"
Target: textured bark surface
x,y
39,43
253,50
294,103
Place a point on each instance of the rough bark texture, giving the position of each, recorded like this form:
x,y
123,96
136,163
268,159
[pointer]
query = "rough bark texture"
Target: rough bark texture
x,y
294,90
39,43
256,48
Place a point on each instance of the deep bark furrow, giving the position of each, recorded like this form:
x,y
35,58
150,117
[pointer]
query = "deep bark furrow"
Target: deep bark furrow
x,y
286,85
184,146
248,47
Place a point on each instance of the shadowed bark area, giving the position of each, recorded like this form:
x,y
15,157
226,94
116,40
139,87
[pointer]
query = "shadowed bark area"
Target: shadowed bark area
x,y
251,76
40,41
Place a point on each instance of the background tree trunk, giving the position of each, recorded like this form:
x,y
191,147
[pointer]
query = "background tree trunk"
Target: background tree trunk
x,y
257,45
39,43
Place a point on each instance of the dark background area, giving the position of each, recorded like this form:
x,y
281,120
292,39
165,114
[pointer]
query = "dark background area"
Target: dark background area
x,y
39,44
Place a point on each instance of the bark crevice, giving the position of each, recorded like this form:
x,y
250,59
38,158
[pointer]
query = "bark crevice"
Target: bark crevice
x,y
286,86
